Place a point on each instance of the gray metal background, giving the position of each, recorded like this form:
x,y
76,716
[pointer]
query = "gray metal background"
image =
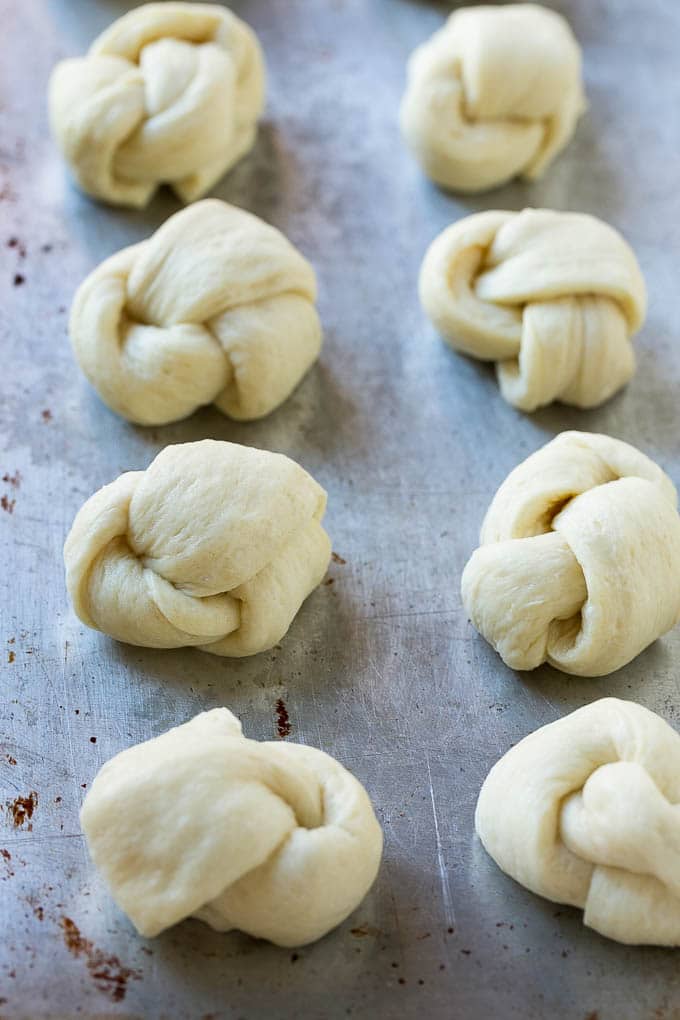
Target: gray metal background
x,y
381,668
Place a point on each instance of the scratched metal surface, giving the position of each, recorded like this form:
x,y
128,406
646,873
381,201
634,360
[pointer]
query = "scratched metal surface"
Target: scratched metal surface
x,y
381,668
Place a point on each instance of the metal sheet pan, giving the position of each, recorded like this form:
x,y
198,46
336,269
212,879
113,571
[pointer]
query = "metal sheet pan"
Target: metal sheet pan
x,y
381,668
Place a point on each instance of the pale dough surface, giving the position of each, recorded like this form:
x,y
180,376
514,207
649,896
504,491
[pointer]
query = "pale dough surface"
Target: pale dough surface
x,y
169,94
586,811
579,558
216,307
273,838
214,545
552,297
494,93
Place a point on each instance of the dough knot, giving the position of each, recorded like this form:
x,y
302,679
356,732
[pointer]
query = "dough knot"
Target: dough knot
x,y
494,93
216,307
586,811
214,545
579,558
275,839
169,94
552,297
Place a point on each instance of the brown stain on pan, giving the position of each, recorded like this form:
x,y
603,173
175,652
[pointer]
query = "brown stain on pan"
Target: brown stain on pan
x,y
109,975
283,726
21,810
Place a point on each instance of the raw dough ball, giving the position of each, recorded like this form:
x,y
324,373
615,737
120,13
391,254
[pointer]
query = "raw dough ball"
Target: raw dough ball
x,y
494,93
552,297
169,94
216,307
276,839
579,558
215,545
586,811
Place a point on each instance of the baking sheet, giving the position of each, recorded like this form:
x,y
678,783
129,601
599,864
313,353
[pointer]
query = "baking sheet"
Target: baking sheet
x,y
381,668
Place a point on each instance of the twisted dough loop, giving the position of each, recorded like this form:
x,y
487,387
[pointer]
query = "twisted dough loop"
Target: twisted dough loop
x,y
170,93
275,839
214,545
217,306
579,558
552,297
494,93
586,811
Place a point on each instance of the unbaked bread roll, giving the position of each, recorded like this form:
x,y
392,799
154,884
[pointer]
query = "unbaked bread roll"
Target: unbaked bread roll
x,y
214,545
276,839
579,558
552,297
216,307
586,811
494,93
169,94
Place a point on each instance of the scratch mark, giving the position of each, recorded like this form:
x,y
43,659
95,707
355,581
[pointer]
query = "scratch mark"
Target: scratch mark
x,y
57,837
66,688
32,545
449,914
535,690
49,525
397,925
415,612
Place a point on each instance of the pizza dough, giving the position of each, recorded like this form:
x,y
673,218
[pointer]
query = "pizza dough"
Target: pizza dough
x,y
579,558
216,307
214,545
273,838
494,93
552,297
169,94
586,811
